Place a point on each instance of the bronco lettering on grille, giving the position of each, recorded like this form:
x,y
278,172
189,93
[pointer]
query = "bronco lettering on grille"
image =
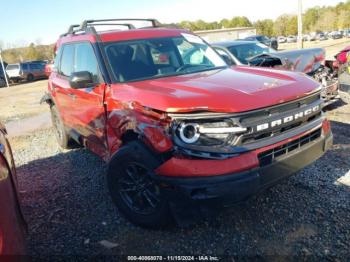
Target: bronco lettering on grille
x,y
288,119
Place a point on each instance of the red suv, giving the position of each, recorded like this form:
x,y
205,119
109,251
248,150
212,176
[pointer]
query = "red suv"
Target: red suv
x,y
12,224
177,126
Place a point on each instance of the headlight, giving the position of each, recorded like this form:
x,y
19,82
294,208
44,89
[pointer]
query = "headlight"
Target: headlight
x,y
208,133
189,133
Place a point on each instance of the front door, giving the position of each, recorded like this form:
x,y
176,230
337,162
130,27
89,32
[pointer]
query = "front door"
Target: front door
x,y
83,108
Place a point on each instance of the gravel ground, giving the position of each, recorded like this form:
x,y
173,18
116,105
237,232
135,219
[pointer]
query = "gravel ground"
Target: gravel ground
x,y
69,211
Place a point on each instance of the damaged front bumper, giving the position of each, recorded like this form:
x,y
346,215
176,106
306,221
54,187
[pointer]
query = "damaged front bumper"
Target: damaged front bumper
x,y
224,190
330,93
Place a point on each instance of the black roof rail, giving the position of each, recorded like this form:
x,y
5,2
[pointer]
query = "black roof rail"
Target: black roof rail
x,y
86,23
129,26
71,30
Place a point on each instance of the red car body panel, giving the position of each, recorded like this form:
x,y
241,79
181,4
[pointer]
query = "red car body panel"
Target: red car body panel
x,y
48,69
342,55
12,224
141,34
231,90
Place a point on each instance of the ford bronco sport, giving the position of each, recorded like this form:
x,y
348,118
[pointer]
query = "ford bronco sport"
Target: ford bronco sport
x,y
177,126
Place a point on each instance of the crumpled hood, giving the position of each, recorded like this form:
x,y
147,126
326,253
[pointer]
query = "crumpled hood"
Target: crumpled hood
x,y
303,60
231,90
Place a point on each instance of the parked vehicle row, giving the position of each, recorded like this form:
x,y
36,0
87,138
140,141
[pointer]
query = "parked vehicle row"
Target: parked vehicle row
x,y
28,71
320,36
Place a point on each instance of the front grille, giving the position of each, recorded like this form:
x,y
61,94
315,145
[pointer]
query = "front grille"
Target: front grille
x,y
249,138
267,116
267,157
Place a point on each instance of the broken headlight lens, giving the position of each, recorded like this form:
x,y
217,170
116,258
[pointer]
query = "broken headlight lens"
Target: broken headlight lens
x,y
208,133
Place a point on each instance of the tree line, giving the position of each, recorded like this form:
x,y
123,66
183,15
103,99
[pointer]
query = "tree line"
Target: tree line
x,y
326,18
316,19
30,53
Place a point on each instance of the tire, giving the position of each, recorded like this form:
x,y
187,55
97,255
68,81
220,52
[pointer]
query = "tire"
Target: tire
x,y
2,83
30,78
133,191
60,131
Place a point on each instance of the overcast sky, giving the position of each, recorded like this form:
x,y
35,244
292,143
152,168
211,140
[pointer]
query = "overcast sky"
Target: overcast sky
x,y
24,21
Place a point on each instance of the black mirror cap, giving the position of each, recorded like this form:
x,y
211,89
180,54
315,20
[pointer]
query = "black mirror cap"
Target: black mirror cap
x,y
81,79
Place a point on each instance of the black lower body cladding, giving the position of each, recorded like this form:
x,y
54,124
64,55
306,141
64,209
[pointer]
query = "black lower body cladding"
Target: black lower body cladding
x,y
152,200
232,188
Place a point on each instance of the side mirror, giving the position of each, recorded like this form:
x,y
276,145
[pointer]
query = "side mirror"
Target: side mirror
x,y
81,79
227,59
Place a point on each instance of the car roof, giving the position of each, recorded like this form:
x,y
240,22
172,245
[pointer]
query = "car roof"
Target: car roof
x,y
124,35
232,43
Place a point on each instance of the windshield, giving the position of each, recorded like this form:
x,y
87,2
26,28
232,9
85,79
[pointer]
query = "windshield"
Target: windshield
x,y
161,57
246,51
12,67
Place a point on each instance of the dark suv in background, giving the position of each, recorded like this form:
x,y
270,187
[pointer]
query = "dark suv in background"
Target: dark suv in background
x,y
26,71
2,76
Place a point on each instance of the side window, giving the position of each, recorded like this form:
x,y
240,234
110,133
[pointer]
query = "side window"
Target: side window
x,y
66,66
34,66
193,54
85,60
57,60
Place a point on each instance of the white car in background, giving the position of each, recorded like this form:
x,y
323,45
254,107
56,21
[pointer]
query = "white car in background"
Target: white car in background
x,y
291,39
282,39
